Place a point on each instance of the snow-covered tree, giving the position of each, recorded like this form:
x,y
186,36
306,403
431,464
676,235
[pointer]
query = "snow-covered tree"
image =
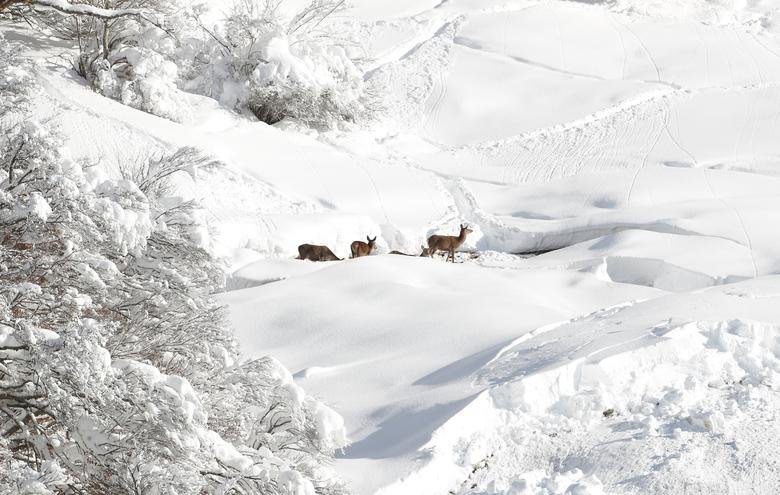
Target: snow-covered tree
x,y
118,372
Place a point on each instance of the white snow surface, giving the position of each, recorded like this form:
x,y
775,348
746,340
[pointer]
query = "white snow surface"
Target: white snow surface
x,y
615,324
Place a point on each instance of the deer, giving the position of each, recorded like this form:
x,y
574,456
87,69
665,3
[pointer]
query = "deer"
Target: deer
x,y
447,243
423,252
360,248
313,252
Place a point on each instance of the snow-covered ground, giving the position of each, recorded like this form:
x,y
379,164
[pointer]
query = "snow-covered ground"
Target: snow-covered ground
x,y
634,142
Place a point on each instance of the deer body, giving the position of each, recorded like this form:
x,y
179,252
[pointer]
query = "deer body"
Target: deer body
x,y
360,248
313,252
447,243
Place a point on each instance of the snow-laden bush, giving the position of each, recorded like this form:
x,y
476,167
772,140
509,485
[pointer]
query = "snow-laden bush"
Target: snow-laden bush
x,y
141,78
16,75
298,66
118,372
137,65
259,57
125,49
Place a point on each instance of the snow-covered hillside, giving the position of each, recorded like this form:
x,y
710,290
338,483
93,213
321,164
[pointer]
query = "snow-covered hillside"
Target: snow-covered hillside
x,y
613,324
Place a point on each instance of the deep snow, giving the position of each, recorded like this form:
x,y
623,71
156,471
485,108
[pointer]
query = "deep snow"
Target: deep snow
x,y
637,140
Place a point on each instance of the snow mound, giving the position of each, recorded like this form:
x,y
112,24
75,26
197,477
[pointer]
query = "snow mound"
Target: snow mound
x,y
669,380
268,271
570,395
572,482
672,262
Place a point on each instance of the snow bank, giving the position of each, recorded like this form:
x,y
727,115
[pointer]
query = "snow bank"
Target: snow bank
x,y
672,262
572,482
569,395
688,202
380,322
268,271
667,381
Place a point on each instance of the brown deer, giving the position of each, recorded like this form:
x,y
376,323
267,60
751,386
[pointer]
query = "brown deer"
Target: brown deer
x,y
360,248
316,253
447,243
424,252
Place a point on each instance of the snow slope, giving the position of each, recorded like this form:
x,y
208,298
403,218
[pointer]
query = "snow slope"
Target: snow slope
x,y
369,322
636,141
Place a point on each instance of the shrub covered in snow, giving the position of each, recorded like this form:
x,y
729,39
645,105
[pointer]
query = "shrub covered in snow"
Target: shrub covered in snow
x,y
141,78
125,49
297,66
260,58
15,75
118,373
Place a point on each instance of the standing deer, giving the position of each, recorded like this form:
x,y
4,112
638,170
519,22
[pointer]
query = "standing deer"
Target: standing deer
x,y
447,243
316,253
360,248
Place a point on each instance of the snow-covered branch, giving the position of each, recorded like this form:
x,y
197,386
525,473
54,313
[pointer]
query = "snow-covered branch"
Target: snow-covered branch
x,y
74,8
